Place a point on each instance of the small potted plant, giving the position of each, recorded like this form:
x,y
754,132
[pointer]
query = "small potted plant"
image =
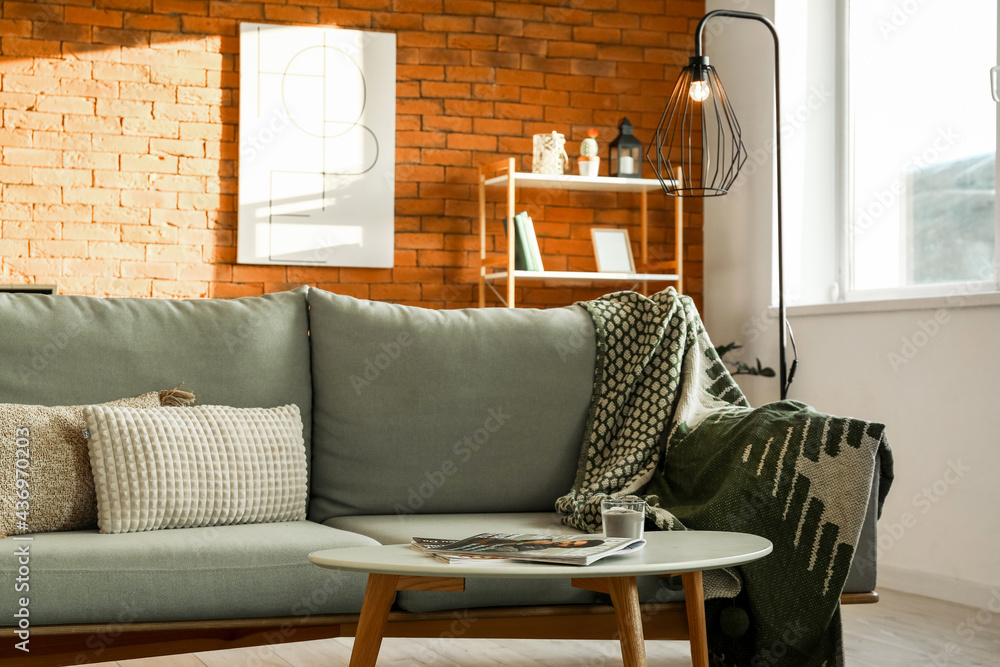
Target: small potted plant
x,y
590,162
739,367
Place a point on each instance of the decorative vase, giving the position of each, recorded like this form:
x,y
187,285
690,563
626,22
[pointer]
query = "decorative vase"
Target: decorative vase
x,y
549,155
589,166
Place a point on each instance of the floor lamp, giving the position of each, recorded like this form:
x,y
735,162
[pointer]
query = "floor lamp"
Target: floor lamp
x,y
699,137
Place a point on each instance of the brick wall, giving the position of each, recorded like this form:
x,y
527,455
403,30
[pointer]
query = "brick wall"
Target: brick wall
x,y
120,140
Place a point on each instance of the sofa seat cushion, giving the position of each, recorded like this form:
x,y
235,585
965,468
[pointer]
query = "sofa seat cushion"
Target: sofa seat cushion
x,y
393,529
452,411
242,571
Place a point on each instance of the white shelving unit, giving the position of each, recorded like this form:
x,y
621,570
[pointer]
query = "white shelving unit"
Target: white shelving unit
x,y
569,182
584,275
504,174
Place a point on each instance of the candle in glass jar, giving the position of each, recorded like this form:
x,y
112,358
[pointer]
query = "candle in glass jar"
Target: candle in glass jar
x,y
621,522
623,517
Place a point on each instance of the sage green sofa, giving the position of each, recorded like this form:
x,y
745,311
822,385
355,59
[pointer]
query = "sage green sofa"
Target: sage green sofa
x,y
417,422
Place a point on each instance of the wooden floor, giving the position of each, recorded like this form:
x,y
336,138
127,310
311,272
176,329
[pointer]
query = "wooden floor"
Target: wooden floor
x,y
901,630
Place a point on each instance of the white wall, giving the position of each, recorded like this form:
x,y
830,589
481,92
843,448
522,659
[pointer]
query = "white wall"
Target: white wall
x,y
939,396
933,377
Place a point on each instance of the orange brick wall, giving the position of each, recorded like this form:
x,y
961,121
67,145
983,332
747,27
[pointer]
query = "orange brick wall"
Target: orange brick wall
x,y
120,138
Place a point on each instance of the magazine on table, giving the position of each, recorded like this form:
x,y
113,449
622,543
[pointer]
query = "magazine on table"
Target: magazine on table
x,y
428,544
560,549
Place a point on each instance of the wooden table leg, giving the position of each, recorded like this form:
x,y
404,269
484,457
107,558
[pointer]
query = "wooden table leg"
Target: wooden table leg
x,y
694,601
379,594
625,598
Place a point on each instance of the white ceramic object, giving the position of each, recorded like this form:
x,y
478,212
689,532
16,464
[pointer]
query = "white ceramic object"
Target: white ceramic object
x,y
589,167
549,154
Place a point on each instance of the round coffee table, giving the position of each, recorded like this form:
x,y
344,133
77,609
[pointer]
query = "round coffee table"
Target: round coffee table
x,y
398,567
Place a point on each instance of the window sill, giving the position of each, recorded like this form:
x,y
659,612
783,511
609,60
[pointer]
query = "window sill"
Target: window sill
x,y
958,300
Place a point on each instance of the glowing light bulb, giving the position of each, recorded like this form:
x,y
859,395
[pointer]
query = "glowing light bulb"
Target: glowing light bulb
x,y
699,91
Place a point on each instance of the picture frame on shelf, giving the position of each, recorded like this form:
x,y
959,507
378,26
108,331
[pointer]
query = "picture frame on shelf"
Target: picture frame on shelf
x,y
613,250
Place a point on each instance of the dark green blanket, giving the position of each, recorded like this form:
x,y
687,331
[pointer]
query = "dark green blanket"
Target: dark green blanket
x,y
669,423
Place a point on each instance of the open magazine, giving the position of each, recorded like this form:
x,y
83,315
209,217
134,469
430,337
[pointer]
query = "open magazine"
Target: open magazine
x,y
560,549
428,544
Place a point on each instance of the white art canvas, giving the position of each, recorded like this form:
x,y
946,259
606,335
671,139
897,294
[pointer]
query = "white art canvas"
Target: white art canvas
x,y
317,146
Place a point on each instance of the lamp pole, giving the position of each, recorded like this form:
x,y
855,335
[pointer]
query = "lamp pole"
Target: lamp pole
x,y
783,376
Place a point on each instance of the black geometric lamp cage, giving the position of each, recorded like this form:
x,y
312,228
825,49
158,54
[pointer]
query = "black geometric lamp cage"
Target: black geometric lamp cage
x,y
699,133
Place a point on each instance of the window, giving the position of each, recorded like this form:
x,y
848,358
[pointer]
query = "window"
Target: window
x,y
921,148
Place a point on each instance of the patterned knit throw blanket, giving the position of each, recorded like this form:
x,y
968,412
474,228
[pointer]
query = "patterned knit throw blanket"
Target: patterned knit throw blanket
x,y
668,423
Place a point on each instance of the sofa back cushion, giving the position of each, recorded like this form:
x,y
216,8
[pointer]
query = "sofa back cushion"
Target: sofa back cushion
x,y
75,350
435,411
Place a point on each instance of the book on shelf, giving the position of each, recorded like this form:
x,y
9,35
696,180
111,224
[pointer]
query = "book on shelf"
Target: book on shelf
x,y
527,256
557,549
536,254
520,250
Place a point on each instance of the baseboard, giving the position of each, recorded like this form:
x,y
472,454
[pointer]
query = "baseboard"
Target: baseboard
x,y
937,586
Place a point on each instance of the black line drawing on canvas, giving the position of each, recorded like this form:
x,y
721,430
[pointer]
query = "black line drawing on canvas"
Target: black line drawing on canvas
x,y
318,191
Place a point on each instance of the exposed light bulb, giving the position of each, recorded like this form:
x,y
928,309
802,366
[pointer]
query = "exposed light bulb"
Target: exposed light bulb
x,y
699,91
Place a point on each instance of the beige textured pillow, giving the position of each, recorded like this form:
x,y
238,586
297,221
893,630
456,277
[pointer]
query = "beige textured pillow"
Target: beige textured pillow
x,y
57,479
203,466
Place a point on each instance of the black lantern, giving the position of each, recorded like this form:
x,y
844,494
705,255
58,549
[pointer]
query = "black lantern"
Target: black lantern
x,y
625,153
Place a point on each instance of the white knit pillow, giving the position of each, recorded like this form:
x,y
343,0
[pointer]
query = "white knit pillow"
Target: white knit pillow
x,y
203,466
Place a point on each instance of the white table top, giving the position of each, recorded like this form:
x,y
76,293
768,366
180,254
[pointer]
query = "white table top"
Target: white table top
x,y
664,553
